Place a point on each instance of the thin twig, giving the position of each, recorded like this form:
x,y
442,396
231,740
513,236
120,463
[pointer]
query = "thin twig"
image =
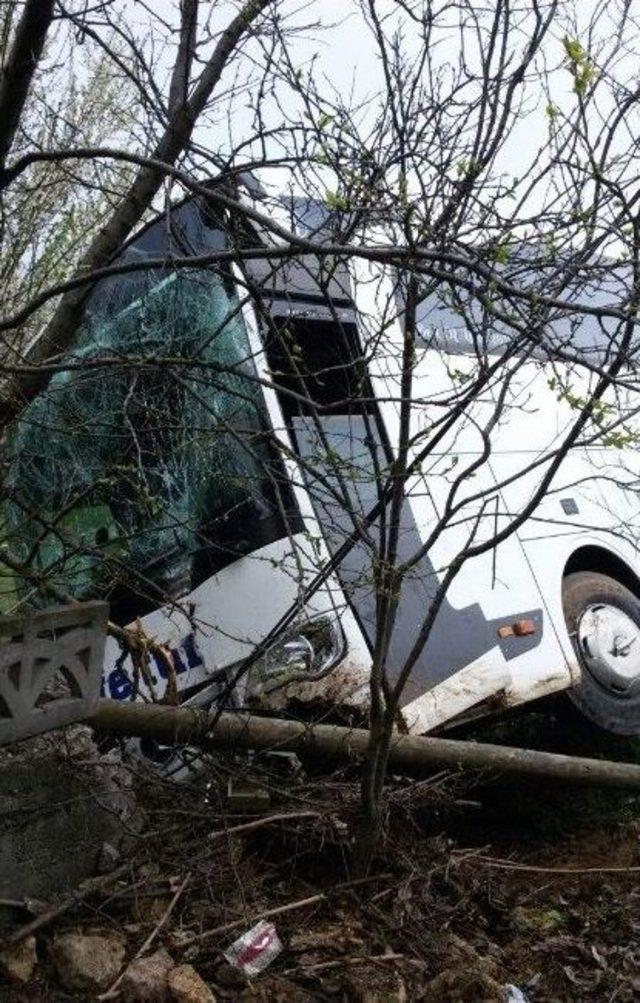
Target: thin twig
x,y
512,865
323,966
279,910
268,913
260,822
111,992
69,900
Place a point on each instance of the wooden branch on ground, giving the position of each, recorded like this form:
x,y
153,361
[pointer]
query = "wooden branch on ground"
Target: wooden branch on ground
x,y
189,938
323,966
73,898
410,755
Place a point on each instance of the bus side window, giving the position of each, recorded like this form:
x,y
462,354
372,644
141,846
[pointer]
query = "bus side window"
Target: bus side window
x,y
319,360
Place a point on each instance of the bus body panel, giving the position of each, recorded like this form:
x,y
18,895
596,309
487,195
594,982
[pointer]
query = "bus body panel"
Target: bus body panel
x,y
490,591
592,500
229,614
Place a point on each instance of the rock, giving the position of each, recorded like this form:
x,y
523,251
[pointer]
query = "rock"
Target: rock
x,y
146,979
467,977
109,858
17,961
57,791
464,987
375,984
88,961
186,986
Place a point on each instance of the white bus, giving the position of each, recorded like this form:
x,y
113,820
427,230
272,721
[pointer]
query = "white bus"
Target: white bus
x,y
198,497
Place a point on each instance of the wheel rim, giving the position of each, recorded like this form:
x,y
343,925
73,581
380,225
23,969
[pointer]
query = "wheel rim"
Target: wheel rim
x,y
609,643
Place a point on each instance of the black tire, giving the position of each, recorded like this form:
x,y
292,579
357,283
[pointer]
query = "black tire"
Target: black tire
x,y
616,712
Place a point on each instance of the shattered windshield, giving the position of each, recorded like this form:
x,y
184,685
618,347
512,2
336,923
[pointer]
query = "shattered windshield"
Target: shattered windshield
x,y
146,466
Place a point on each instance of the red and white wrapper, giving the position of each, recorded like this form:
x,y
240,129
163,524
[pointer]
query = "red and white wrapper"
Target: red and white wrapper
x,y
255,949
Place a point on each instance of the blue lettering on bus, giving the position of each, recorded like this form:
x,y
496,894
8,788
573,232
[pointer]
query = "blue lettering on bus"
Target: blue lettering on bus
x,y
194,658
178,664
120,685
161,663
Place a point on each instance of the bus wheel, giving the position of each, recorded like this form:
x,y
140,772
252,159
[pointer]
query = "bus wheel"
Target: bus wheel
x,y
603,620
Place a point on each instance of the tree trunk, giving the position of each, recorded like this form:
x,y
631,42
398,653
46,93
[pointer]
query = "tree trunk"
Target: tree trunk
x,y
409,755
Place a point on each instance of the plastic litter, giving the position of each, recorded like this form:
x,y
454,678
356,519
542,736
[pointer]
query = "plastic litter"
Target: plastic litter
x,y
255,949
514,995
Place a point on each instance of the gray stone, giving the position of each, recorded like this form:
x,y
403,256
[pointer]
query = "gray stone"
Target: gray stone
x,y
59,803
187,987
146,979
88,961
109,859
17,961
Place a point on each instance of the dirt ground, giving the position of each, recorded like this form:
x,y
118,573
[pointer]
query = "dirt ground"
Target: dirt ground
x,y
479,884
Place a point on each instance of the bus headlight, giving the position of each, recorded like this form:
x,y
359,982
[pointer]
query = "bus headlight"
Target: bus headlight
x,y
307,651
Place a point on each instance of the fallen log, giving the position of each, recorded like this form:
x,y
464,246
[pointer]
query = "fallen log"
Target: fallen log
x,y
410,755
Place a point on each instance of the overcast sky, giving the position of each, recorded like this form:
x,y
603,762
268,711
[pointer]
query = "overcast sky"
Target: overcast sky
x,y
346,56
